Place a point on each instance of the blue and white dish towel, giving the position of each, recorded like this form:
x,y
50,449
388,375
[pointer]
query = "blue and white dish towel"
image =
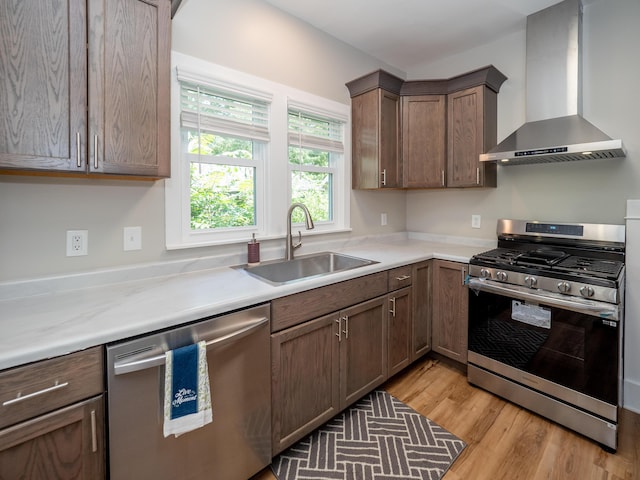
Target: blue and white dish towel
x,y
187,398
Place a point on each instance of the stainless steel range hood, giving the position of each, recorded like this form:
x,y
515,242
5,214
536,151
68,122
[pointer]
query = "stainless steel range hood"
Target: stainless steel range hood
x,y
555,130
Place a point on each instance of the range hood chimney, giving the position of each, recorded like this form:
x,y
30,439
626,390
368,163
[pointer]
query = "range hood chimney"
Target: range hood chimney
x,y
555,130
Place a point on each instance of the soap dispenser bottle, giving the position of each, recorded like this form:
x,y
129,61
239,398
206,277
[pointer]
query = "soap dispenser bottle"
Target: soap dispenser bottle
x,y
253,251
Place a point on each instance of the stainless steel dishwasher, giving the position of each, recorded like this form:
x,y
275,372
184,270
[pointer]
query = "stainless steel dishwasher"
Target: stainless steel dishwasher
x,y
236,445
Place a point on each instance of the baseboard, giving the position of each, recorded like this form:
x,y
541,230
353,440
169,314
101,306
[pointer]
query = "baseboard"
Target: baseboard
x,y
631,395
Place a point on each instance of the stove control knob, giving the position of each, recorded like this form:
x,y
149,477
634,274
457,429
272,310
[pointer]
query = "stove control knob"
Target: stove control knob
x,y
587,291
564,287
484,273
502,276
530,282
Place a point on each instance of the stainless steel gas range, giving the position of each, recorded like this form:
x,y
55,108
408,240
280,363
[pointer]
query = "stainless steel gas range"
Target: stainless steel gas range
x,y
546,322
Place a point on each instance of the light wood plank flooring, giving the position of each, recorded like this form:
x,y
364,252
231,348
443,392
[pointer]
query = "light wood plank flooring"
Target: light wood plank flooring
x,y
505,441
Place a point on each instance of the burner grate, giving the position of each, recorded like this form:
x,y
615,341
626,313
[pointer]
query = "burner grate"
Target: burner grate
x,y
592,266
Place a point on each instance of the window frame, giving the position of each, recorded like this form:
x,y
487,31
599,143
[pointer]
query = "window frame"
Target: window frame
x,y
334,148
272,200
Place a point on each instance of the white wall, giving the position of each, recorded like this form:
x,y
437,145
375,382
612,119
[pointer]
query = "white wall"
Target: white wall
x,y
590,191
246,35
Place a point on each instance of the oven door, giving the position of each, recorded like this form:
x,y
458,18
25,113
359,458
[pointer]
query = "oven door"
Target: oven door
x,y
561,346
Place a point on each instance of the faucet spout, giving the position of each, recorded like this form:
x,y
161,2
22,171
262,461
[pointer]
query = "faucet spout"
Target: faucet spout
x,y
309,224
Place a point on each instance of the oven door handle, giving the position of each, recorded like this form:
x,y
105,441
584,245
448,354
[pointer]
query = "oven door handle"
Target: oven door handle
x,y
606,311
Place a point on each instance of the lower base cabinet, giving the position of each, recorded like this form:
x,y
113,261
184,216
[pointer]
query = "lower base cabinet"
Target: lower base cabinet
x,y
52,418
65,444
322,366
305,389
363,349
422,297
399,327
450,309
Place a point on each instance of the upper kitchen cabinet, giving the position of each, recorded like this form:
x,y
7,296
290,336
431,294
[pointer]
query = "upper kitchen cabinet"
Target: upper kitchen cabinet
x,y
424,140
375,122
85,87
444,126
472,130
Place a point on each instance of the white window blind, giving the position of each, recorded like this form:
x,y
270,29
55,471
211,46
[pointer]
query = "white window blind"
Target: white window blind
x,y
211,110
309,130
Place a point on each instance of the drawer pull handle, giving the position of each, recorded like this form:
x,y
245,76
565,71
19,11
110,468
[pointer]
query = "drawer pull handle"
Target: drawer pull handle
x,y
392,310
403,277
20,398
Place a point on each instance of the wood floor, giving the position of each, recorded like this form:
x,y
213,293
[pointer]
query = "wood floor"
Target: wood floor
x,y
505,441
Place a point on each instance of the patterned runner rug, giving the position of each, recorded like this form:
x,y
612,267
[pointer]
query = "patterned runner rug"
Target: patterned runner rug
x,y
377,438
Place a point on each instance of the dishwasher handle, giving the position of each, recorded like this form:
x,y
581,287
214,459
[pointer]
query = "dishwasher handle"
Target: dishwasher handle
x,y
120,368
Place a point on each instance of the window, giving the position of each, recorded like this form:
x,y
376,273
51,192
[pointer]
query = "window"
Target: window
x,y
244,149
315,153
223,137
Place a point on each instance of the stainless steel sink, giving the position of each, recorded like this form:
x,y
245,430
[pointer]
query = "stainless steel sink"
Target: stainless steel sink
x,y
280,272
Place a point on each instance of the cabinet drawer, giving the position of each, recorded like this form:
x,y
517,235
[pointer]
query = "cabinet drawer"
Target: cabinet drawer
x,y
400,277
44,386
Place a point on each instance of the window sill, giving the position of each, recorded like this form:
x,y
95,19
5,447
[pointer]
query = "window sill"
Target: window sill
x,y
236,241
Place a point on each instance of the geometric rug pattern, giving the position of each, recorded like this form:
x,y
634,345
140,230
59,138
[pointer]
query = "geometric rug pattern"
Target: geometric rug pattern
x,y
378,438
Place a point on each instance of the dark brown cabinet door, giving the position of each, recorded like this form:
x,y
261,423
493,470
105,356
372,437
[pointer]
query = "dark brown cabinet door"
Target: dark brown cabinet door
x,y
363,349
390,161
43,78
424,119
422,306
65,444
305,381
48,83
472,131
129,64
399,329
375,140
450,310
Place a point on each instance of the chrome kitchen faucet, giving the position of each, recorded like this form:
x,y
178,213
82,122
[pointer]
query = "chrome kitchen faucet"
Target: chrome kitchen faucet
x,y
309,224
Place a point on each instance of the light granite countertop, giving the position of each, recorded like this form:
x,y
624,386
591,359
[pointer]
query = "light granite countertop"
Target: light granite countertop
x,y
46,322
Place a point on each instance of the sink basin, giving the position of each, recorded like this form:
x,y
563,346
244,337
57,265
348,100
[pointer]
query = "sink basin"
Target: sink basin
x,y
280,272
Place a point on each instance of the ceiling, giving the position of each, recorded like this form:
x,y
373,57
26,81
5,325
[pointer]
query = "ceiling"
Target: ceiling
x,y
409,33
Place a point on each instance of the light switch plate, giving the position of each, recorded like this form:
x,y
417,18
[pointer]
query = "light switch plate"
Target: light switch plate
x,y
132,238
475,221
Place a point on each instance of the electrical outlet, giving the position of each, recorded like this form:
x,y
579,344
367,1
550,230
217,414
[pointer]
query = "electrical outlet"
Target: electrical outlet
x,y
383,219
132,238
77,243
475,221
